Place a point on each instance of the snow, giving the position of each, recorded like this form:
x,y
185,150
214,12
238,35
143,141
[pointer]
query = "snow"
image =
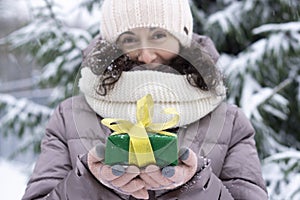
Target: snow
x,y
253,95
73,55
224,61
282,27
81,35
70,14
23,105
71,65
13,7
287,154
52,68
226,18
280,172
286,33
275,112
13,180
249,58
68,9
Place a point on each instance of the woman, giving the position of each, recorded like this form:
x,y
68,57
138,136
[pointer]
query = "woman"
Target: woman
x,y
147,47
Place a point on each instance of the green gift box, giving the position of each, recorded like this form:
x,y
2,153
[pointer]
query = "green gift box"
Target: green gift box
x,y
164,148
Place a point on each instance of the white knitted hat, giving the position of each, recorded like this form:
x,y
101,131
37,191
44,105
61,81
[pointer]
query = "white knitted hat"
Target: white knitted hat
x,y
118,16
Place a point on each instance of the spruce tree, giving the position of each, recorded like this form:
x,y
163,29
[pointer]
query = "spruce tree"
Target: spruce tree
x,y
259,41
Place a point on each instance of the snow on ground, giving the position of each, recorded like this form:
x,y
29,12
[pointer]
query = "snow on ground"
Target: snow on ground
x,y
13,180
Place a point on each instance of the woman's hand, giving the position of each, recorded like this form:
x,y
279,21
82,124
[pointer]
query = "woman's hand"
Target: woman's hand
x,y
126,180
171,177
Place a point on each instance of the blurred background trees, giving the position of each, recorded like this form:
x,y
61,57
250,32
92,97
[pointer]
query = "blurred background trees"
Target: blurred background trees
x,y
259,43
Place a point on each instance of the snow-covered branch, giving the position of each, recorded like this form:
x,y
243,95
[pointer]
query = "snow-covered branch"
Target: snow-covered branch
x,y
22,115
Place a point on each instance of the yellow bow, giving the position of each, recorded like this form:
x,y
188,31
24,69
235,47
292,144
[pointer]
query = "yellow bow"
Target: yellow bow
x,y
140,149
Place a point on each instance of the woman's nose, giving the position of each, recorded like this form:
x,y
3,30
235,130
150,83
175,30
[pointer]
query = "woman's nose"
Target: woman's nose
x,y
147,56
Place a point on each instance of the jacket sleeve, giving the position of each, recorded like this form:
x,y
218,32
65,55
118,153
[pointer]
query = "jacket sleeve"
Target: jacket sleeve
x,y
241,176
54,177
204,185
241,172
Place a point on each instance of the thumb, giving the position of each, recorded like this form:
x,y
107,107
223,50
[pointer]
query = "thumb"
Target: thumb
x,y
188,157
141,194
185,170
98,152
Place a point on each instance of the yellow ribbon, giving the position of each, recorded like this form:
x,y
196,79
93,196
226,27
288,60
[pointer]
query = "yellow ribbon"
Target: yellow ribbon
x,y
140,149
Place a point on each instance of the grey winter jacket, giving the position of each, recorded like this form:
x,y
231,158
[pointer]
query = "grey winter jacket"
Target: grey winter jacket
x,y
74,128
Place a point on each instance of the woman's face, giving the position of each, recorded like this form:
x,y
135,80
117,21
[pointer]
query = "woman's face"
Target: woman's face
x,y
149,45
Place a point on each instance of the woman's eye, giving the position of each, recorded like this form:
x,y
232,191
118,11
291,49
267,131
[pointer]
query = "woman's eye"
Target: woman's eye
x,y
129,41
158,36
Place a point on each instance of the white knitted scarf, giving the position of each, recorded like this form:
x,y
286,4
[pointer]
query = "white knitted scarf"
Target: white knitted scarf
x,y
168,90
